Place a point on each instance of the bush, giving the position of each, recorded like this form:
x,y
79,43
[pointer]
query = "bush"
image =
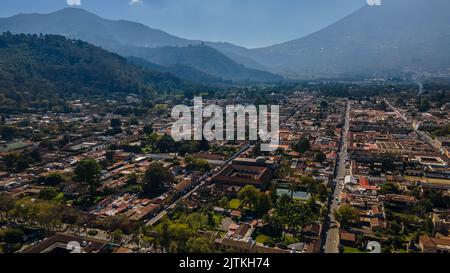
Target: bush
x,y
92,232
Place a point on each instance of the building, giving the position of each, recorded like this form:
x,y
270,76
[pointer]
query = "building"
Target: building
x,y
67,243
441,223
242,175
435,244
144,212
347,238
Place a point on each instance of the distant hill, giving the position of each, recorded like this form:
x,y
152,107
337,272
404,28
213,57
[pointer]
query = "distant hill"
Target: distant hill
x,y
81,24
133,39
205,59
181,71
400,37
51,64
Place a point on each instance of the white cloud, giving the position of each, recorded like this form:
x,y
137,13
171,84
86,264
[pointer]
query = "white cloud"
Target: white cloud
x,y
73,2
134,2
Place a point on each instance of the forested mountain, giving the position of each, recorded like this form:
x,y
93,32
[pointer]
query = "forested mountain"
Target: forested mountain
x,y
133,39
181,71
205,59
397,37
47,65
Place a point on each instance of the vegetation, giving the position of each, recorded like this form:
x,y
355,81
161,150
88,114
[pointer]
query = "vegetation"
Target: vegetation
x,y
197,164
156,179
87,172
346,215
257,202
302,145
39,70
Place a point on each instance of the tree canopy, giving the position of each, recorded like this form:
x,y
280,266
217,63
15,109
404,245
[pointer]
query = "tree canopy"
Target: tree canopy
x,y
155,179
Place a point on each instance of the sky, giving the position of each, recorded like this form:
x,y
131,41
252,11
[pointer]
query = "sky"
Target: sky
x,y
250,23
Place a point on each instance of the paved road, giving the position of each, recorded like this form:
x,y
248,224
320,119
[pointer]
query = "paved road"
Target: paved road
x,y
172,156
332,235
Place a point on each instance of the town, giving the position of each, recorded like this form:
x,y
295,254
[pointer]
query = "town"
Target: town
x,y
355,172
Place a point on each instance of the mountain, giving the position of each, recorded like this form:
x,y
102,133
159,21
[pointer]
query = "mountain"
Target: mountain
x,y
181,71
81,24
205,59
399,35
397,38
45,65
237,53
133,39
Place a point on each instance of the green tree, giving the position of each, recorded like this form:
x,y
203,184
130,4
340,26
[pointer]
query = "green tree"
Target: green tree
x,y
11,161
13,238
263,205
165,144
53,179
48,193
199,245
148,129
249,196
87,172
224,202
320,157
8,133
117,236
22,164
389,188
110,156
302,145
115,122
388,164
197,221
346,215
35,155
156,178
7,203
197,164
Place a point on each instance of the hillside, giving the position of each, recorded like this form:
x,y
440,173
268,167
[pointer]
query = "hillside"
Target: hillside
x,y
80,24
49,64
181,71
133,39
205,59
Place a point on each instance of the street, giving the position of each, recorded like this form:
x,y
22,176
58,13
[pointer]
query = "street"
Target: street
x,y
332,236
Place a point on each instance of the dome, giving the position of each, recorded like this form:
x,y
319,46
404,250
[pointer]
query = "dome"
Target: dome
x,y
260,159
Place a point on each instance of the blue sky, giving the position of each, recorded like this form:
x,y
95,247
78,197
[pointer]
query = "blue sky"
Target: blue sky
x,y
251,23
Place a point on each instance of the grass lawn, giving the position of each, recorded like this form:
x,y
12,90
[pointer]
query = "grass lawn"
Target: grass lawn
x,y
352,250
235,204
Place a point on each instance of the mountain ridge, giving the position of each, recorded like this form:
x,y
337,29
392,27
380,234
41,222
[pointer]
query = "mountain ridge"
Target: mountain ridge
x,y
126,38
396,36
400,37
52,64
